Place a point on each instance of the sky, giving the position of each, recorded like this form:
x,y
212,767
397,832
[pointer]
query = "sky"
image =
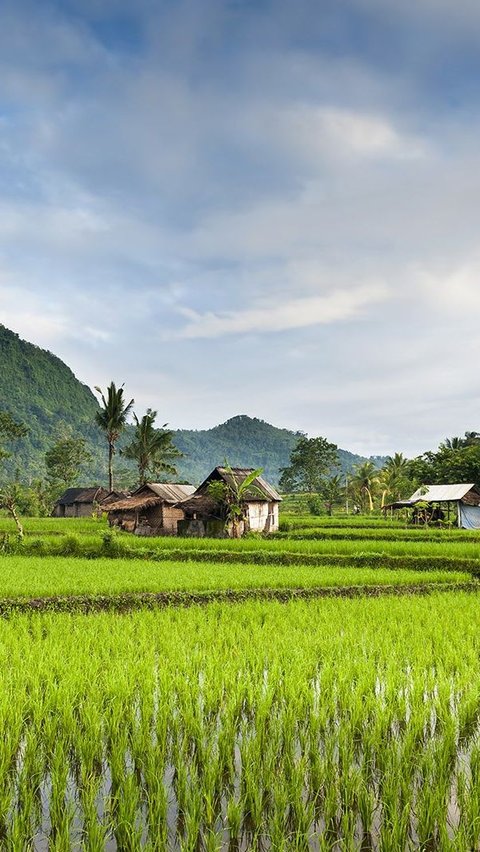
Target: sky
x,y
262,207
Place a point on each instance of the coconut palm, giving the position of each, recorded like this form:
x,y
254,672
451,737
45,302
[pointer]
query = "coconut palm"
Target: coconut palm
x,y
112,419
393,478
152,449
364,479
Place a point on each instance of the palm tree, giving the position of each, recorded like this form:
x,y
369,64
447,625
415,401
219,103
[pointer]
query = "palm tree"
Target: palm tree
x,y
454,443
112,418
152,449
365,477
394,476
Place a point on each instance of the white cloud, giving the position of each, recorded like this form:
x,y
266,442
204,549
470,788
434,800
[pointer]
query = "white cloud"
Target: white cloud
x,y
277,316
328,131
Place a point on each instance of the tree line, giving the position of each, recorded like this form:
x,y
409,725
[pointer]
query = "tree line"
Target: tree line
x,y
313,467
151,449
313,470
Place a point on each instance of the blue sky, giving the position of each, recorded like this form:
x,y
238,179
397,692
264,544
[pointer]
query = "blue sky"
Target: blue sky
x,y
267,208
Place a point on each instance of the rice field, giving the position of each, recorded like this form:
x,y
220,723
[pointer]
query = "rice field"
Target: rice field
x,y
22,576
346,724
312,724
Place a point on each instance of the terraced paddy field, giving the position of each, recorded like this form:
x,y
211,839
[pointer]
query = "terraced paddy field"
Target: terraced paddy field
x,y
272,694
306,725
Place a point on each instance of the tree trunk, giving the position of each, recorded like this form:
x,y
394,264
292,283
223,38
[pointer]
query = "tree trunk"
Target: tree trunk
x,y
13,511
370,501
111,450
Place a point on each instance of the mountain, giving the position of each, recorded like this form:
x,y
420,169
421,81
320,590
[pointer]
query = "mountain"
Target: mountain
x,y
244,442
37,388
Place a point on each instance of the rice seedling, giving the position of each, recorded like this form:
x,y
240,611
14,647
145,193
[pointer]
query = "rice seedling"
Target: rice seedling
x,y
296,726
35,577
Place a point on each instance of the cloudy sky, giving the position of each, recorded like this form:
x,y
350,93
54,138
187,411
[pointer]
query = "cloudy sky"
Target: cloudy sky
x,y
267,207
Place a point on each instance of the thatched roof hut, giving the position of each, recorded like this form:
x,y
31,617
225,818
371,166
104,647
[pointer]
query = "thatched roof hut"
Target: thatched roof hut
x,y
151,509
204,516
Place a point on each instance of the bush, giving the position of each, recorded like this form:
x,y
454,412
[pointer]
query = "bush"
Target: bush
x,y
315,505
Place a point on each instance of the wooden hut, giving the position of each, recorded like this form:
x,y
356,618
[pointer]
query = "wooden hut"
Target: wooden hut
x,y
151,510
205,517
79,502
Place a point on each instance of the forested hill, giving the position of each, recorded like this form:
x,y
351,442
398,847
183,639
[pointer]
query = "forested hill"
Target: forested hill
x,y
37,388
244,442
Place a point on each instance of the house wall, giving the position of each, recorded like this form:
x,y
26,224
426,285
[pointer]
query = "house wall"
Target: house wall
x,y
159,520
171,517
83,510
263,516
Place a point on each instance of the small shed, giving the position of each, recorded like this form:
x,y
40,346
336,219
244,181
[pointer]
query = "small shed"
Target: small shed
x,y
464,497
79,502
204,516
151,510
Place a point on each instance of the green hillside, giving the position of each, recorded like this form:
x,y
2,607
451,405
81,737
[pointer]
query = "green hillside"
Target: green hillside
x,y
37,388
245,442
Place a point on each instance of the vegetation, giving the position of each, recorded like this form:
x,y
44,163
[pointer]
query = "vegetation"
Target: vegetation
x,y
39,390
230,495
152,449
64,461
112,419
321,723
35,577
311,462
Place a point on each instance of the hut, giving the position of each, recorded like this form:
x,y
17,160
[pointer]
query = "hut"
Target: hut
x,y
79,502
206,517
151,510
440,499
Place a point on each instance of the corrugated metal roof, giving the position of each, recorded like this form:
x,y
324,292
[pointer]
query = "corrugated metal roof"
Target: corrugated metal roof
x,y
170,491
440,493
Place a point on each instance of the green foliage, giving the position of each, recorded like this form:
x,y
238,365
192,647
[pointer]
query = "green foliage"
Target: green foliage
x,y
456,460
246,442
315,504
39,390
332,491
152,449
112,419
65,459
311,460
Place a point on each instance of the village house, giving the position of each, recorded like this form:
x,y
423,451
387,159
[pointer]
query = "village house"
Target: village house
x,y
79,502
205,517
437,501
153,509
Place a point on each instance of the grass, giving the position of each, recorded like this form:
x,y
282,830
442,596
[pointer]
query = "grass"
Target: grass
x,y
38,577
341,724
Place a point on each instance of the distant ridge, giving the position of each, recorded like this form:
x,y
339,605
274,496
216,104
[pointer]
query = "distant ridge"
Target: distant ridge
x,y
39,389
246,442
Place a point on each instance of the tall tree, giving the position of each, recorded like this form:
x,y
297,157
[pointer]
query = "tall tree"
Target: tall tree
x,y
311,460
332,492
152,449
364,480
10,430
394,479
64,459
112,419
